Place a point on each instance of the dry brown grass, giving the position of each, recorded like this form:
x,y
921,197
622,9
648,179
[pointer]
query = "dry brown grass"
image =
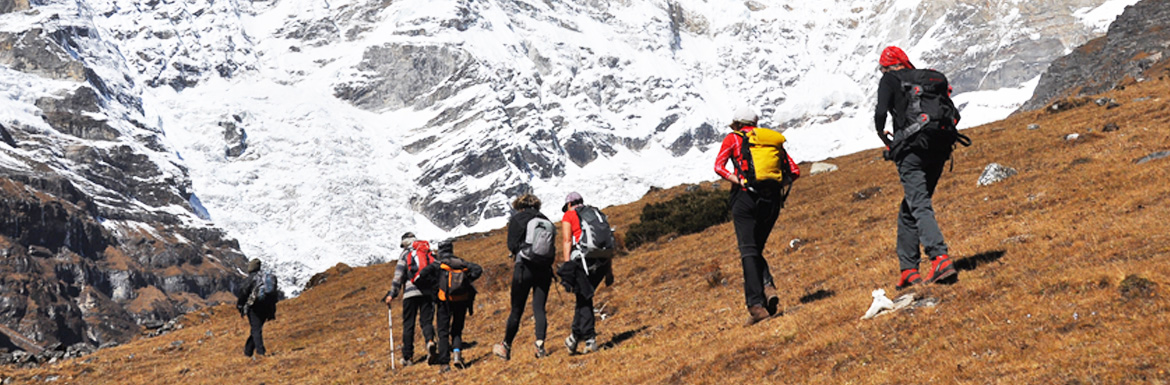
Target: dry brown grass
x,y
1039,298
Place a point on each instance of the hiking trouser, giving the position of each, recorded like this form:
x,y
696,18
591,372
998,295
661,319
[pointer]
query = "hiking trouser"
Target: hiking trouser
x,y
524,279
425,309
916,223
583,321
754,214
255,342
451,316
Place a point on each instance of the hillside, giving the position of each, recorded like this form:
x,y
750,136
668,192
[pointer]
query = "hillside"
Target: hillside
x,y
1063,281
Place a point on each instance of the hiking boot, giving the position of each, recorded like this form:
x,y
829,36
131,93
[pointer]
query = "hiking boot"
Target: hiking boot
x,y
444,368
591,345
571,344
756,314
404,362
540,353
457,360
940,269
502,350
432,351
773,305
910,277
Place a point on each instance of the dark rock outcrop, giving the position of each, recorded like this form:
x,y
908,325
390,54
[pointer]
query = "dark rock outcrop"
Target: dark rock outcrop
x,y
1134,48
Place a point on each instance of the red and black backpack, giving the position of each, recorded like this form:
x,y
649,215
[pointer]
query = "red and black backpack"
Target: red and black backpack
x,y
420,257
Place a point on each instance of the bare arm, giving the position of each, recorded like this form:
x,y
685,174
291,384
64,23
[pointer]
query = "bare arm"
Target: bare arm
x,y
566,240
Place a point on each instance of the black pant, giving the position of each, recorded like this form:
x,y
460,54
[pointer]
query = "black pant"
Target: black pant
x,y
583,322
754,214
425,309
916,223
451,316
524,279
255,342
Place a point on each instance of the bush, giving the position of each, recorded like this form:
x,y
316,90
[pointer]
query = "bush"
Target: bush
x,y
688,213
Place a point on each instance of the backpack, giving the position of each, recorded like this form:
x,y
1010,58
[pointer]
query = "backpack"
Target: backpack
x,y
930,120
420,257
263,288
539,242
454,285
596,235
764,157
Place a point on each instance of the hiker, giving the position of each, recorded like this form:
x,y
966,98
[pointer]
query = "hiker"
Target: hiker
x,y
415,256
761,175
586,260
919,144
448,281
531,241
256,300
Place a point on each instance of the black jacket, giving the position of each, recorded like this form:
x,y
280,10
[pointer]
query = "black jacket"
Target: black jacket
x,y
428,278
890,100
518,228
265,309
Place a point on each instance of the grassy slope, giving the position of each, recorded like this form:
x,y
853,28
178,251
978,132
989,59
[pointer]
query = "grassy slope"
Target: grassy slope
x,y
1038,300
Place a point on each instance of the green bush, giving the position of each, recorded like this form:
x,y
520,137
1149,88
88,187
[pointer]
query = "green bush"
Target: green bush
x,y
689,213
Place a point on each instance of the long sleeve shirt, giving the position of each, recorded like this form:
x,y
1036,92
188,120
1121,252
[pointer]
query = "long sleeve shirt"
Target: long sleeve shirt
x,y
731,150
401,282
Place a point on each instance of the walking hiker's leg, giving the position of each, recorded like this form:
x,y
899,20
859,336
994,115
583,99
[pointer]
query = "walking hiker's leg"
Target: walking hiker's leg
x,y
257,332
410,308
744,217
916,183
583,318
753,280
519,297
542,282
443,315
458,317
907,248
426,315
932,241
249,346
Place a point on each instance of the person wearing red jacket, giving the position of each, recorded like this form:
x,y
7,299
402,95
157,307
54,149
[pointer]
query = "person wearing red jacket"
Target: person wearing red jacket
x,y
754,209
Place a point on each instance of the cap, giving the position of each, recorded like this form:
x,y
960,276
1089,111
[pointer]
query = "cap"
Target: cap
x,y
408,235
893,55
745,115
573,197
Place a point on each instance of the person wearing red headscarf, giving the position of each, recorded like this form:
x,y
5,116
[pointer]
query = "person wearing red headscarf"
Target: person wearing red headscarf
x,y
919,172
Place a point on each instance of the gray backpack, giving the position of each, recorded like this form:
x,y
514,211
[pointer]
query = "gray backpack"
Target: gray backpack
x,y
539,247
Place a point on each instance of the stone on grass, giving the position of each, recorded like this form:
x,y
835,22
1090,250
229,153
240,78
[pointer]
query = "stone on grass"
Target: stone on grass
x,y
1154,156
995,172
821,167
1033,126
1110,127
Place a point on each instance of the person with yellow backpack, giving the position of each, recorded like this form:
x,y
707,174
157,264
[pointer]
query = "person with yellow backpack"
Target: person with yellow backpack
x,y
448,281
761,178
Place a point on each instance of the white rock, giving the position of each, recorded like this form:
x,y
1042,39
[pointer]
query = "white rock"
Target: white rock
x,y
820,167
995,172
880,302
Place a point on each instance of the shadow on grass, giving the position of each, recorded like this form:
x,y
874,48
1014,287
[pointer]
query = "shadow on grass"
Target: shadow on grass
x,y
622,337
817,296
974,261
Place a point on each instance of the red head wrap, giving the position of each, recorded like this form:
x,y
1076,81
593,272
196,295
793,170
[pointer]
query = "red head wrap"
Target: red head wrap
x,y
893,55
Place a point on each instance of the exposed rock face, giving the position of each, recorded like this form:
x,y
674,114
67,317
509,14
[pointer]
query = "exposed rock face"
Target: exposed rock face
x,y
98,232
1134,48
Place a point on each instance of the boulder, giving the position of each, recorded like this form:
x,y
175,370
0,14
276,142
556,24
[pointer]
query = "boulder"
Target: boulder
x,y
821,167
995,172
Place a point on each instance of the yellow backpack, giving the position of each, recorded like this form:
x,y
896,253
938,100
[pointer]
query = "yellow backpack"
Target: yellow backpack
x,y
764,156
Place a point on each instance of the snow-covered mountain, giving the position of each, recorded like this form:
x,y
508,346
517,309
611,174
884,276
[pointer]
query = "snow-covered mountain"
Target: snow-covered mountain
x,y
317,132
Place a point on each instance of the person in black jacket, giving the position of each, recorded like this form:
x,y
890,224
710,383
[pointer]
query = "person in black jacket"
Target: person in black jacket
x,y
527,277
258,313
919,170
451,308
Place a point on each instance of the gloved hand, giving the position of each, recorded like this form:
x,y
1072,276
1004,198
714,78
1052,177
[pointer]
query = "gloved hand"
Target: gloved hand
x,y
886,154
609,279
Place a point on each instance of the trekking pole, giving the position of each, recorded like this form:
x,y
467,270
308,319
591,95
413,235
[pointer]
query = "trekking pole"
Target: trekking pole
x,y
390,323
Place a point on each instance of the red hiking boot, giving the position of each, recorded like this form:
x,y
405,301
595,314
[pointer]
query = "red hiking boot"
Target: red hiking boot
x,y
909,278
940,269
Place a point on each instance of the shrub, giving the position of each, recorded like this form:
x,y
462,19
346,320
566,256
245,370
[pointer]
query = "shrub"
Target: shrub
x,y
689,213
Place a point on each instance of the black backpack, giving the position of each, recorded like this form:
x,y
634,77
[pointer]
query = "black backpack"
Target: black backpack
x,y
596,235
930,120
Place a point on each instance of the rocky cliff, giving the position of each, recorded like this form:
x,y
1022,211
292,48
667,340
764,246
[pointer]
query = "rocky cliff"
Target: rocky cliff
x,y
100,231
1135,49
